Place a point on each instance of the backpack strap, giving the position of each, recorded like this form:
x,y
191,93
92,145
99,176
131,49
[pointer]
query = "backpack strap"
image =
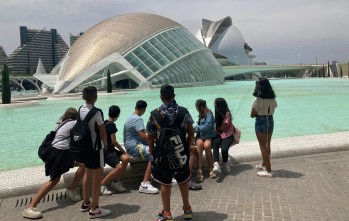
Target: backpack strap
x,y
61,125
88,117
159,118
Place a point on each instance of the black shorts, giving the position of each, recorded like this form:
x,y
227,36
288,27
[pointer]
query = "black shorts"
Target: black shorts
x,y
94,159
58,162
112,157
164,177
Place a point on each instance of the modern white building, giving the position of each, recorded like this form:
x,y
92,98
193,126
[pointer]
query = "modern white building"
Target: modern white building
x,y
139,50
225,41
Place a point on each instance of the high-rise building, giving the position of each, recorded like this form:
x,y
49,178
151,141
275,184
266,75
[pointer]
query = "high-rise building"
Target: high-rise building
x,y
3,57
35,44
73,38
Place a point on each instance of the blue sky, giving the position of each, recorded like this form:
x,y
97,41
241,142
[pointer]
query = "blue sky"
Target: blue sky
x,y
283,32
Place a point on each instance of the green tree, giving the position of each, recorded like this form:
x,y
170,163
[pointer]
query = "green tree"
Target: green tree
x,y
109,84
5,82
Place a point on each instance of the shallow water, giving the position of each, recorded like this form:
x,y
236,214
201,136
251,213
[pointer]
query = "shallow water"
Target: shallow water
x,y
305,106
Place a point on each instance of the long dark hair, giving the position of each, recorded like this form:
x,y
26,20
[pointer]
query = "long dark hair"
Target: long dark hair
x,y
263,89
201,107
71,114
220,109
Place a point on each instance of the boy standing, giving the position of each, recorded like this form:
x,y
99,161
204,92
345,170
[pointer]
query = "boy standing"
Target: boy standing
x,y
93,157
113,155
169,114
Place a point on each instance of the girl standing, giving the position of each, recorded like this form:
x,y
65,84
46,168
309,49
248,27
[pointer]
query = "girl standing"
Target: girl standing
x,y
263,109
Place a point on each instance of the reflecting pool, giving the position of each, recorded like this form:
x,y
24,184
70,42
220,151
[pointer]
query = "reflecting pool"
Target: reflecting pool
x,y
305,106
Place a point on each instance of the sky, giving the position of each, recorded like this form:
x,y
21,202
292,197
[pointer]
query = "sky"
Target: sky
x,y
279,31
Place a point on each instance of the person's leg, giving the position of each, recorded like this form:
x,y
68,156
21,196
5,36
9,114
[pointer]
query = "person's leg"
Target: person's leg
x,y
262,140
215,147
112,175
225,145
147,174
208,153
86,185
125,159
184,188
165,192
193,155
200,148
44,189
78,176
96,185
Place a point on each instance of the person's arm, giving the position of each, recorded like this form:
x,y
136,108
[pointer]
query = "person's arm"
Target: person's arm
x,y
151,142
205,125
116,143
190,131
103,135
226,122
143,135
253,113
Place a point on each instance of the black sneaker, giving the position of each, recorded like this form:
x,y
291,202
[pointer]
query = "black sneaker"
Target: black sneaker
x,y
85,208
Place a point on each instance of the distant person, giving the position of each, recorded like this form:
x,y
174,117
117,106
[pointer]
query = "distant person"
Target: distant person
x,y
58,162
224,138
93,157
113,155
170,156
263,109
136,143
205,134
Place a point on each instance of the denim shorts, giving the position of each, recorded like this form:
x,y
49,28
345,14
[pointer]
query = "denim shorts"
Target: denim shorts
x,y
264,124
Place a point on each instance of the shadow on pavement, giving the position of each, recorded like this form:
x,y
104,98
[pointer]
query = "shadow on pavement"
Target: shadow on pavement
x,y
209,215
235,170
286,174
121,209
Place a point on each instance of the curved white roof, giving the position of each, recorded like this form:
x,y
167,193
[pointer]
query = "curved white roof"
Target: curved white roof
x,y
116,34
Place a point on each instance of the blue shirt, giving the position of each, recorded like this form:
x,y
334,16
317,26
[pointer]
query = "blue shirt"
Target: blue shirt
x,y
205,126
132,126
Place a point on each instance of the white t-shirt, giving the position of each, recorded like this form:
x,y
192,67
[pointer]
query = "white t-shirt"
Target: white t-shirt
x,y
97,118
63,136
262,105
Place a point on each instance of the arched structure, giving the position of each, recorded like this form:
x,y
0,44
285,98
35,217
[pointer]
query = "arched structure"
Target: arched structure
x,y
149,49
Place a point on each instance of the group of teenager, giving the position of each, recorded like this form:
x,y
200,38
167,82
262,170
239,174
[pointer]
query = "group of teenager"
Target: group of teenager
x,y
212,133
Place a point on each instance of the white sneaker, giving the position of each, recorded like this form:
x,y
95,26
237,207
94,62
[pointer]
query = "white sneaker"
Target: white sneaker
x,y
99,212
146,187
117,185
216,167
32,213
264,173
226,167
260,167
105,191
73,195
174,182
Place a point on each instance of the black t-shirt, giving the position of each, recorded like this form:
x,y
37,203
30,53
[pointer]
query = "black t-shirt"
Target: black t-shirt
x,y
110,128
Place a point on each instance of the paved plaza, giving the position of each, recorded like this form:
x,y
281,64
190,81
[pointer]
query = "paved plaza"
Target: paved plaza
x,y
308,187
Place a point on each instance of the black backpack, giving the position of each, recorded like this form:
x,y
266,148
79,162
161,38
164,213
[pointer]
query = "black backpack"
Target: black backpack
x,y
80,136
172,150
46,146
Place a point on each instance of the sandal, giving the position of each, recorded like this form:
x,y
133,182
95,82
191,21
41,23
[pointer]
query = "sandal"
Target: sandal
x,y
194,186
213,175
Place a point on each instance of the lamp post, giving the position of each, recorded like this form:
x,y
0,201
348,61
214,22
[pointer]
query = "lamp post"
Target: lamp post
x,y
268,57
299,59
235,58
